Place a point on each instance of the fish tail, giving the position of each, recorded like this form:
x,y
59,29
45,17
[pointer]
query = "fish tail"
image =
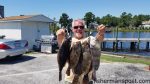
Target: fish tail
x,y
60,76
94,76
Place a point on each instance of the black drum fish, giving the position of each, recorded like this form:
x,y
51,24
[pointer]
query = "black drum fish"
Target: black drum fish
x,y
63,55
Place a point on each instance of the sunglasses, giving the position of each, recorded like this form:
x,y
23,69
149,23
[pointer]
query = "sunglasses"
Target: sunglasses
x,y
76,27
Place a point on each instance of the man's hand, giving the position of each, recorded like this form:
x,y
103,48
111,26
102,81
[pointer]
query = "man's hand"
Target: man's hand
x,y
101,31
60,36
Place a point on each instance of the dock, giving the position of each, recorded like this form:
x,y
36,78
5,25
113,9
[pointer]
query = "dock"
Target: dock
x,y
126,39
134,43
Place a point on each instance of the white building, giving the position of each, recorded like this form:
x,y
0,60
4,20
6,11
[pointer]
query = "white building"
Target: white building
x,y
146,24
26,27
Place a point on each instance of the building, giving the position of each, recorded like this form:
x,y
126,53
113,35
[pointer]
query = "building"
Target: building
x,y
26,27
1,11
146,24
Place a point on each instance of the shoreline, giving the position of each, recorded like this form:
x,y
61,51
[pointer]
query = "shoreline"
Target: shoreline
x,y
132,54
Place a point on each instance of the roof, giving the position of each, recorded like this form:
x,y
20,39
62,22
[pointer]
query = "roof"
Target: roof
x,y
27,18
146,22
17,17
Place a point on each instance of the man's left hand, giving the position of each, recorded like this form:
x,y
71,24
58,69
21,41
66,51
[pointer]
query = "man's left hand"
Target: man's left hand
x,y
101,31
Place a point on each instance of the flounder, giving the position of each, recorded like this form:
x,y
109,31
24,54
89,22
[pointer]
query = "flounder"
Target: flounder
x,y
81,58
63,55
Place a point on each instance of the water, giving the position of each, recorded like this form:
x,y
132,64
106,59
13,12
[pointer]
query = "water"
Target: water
x,y
125,34
126,45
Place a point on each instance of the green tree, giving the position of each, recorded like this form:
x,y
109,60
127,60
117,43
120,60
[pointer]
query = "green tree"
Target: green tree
x,y
107,20
98,20
89,18
65,20
110,20
53,26
115,21
125,19
136,21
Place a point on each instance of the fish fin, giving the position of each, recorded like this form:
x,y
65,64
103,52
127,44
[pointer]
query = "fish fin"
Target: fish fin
x,y
60,76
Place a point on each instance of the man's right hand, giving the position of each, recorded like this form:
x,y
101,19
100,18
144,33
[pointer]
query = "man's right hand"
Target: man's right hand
x,y
60,36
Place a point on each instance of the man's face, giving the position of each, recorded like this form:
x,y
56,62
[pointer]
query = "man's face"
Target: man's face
x,y
78,29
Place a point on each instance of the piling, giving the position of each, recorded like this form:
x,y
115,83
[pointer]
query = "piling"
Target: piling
x,y
103,45
138,46
132,46
121,46
116,43
147,46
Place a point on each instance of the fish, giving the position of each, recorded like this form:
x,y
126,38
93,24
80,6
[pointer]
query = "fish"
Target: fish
x,y
87,56
95,62
75,61
87,59
75,57
82,57
80,60
63,55
95,53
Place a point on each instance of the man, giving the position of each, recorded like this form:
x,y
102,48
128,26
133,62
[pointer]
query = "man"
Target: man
x,y
78,27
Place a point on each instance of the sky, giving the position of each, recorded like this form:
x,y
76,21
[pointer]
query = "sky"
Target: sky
x,y
75,8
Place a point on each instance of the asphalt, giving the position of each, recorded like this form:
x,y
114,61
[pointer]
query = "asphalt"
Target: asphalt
x,y
40,68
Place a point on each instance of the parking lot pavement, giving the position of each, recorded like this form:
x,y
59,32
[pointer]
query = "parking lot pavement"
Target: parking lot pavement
x,y
39,68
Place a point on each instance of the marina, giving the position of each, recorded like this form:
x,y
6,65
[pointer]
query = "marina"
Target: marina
x,y
126,39
133,44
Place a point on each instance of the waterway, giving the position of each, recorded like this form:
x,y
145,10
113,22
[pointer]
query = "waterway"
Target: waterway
x,y
126,45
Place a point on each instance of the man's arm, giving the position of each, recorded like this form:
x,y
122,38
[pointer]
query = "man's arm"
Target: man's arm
x,y
60,36
100,34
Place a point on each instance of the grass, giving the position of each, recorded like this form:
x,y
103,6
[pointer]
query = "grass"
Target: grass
x,y
126,59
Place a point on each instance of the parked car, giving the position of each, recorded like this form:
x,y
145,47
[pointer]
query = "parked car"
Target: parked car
x,y
10,47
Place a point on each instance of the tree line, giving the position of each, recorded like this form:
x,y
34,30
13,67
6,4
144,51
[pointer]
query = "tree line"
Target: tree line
x,y
123,21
